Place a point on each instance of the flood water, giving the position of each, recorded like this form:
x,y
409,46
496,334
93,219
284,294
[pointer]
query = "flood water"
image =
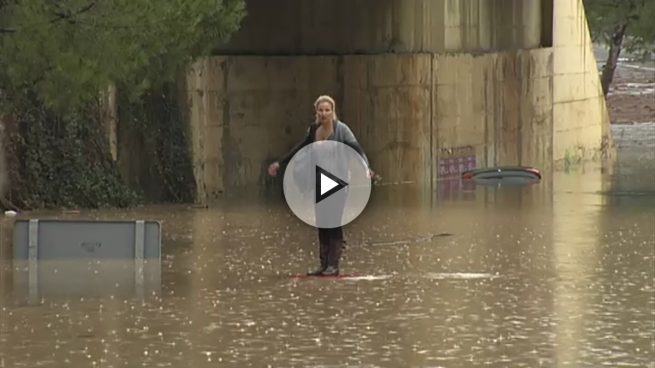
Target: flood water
x,y
557,274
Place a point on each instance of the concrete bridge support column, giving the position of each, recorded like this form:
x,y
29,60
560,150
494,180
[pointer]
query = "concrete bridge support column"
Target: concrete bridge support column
x,y
430,87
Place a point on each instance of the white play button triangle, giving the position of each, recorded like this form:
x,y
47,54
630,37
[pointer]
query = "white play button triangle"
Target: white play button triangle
x,y
327,184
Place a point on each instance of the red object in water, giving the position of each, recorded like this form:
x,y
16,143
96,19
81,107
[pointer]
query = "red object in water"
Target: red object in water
x,y
467,175
341,276
534,171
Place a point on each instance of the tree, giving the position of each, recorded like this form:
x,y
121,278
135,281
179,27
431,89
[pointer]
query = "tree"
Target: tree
x,y
621,24
66,51
56,59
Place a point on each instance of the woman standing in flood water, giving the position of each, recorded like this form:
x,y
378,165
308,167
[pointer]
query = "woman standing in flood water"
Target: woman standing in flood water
x,y
326,127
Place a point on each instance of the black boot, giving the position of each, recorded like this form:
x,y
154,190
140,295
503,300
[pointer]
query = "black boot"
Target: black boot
x,y
334,256
331,271
319,271
323,250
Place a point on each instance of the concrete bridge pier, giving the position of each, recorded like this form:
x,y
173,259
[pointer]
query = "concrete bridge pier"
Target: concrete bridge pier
x,y
430,87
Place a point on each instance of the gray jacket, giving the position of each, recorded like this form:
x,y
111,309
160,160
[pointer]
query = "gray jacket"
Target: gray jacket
x,y
342,133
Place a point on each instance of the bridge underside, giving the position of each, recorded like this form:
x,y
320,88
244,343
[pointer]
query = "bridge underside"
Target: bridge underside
x,y
379,26
430,87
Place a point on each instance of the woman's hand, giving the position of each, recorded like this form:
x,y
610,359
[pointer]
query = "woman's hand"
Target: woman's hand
x,y
273,168
373,176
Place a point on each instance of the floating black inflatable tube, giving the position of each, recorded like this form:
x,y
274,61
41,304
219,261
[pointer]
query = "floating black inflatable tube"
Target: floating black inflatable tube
x,y
504,174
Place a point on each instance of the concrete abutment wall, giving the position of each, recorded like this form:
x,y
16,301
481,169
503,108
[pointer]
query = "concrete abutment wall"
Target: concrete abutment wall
x,y
411,112
430,87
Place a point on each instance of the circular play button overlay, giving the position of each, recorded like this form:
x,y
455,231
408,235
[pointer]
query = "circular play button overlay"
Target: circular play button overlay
x,y
326,184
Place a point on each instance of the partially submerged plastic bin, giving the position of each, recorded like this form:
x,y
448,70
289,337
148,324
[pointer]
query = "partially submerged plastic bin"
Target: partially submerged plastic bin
x,y
87,257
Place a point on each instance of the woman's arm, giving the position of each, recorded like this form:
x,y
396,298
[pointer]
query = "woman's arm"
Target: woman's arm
x,y
284,160
306,140
350,140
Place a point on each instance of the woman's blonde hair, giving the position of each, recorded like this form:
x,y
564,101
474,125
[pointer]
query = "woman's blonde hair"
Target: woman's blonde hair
x,y
330,100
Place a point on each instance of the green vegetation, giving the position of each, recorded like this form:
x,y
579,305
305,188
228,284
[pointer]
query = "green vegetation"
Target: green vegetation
x,y
621,25
61,162
157,123
55,59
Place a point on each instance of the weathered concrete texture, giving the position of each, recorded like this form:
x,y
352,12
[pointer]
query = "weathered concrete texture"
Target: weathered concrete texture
x,y
496,107
380,26
245,111
109,119
580,117
412,105
205,94
387,101
409,111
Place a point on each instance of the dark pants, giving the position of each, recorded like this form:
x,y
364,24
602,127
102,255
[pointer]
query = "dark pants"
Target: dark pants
x,y
330,246
331,240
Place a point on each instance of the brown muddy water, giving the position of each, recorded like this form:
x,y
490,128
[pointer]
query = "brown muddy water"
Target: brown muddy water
x,y
557,274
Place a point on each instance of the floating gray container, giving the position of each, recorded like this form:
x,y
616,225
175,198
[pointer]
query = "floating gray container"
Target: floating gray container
x,y
86,257
66,239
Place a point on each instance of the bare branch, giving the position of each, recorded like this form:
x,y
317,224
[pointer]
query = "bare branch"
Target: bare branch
x,y
69,15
